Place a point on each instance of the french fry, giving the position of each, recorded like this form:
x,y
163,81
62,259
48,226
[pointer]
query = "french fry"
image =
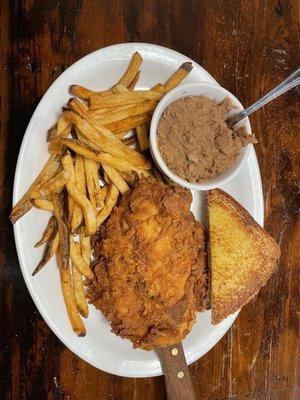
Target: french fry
x,y
79,293
70,302
110,202
60,126
116,115
92,180
55,184
99,112
116,178
84,93
87,209
43,204
104,192
178,76
118,88
175,79
132,70
125,98
159,88
50,250
124,125
51,226
106,179
60,214
102,137
121,135
55,146
71,205
130,141
102,158
86,250
129,178
129,78
51,133
80,183
134,82
24,204
79,262
142,136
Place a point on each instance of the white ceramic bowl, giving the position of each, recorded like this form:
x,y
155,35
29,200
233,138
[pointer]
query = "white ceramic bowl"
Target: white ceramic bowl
x,y
213,92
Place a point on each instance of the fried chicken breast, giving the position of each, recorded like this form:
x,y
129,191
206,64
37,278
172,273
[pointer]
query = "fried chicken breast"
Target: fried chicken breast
x,y
150,274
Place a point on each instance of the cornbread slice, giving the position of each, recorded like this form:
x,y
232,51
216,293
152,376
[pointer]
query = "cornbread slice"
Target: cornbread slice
x,y
242,255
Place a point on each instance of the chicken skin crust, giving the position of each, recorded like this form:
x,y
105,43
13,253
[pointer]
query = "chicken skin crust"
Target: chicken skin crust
x,y
150,271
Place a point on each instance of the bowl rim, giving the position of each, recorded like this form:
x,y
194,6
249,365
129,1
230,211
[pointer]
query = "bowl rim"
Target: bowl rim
x,y
158,159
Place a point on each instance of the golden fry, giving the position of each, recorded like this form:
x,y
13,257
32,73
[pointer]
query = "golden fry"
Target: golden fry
x,y
50,250
60,214
134,82
104,192
99,112
61,125
110,202
24,204
178,76
51,226
80,183
125,98
116,178
79,293
159,88
129,178
71,205
103,138
93,186
120,128
79,262
79,198
132,70
89,166
84,93
118,88
102,158
130,141
55,184
43,204
142,136
70,302
86,249
115,115
55,146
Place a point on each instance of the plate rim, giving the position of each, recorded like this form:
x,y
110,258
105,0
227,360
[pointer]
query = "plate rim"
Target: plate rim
x,y
17,176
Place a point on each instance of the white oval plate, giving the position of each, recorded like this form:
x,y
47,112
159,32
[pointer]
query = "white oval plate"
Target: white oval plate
x,y
100,347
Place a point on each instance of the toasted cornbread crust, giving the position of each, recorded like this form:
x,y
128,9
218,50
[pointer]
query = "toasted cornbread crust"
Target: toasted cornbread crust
x,y
265,256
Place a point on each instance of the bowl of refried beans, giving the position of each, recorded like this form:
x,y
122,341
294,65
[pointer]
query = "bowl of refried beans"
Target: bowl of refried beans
x,y
190,140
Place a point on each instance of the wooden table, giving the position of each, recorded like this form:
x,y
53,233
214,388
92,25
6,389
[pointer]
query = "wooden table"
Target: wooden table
x,y
248,46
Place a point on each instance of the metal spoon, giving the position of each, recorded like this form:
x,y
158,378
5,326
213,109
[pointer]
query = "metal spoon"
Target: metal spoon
x,y
290,82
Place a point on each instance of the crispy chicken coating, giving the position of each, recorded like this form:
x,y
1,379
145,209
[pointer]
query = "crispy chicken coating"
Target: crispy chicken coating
x,y
150,274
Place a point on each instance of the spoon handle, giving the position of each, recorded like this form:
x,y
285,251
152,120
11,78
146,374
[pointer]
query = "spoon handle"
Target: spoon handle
x,y
290,82
177,378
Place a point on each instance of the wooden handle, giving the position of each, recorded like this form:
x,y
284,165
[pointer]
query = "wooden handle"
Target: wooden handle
x,y
177,378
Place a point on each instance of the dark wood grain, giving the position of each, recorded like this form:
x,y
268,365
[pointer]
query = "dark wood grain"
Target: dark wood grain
x,y
248,46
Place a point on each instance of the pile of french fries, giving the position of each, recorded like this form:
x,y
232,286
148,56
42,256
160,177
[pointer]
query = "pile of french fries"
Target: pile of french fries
x,y
97,151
